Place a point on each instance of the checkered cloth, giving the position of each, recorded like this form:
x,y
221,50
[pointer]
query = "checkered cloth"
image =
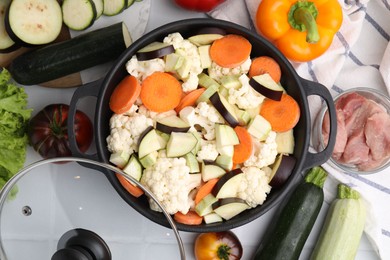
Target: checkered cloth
x,y
358,57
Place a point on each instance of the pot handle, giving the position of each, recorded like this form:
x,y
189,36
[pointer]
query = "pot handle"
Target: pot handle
x,y
314,88
90,89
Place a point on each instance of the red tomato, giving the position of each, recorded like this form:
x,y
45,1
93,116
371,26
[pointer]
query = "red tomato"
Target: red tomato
x,y
223,245
199,5
48,135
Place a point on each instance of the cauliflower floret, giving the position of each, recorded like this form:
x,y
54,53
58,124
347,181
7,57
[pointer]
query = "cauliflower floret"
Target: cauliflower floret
x,y
254,186
169,179
217,72
203,115
142,69
125,130
245,97
120,140
264,153
208,151
190,52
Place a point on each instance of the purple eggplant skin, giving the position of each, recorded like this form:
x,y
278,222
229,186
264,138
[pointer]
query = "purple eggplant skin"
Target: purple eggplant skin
x,y
283,172
169,129
267,92
154,54
217,103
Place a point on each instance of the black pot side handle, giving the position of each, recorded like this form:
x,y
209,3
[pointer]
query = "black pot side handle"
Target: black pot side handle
x,y
87,90
314,88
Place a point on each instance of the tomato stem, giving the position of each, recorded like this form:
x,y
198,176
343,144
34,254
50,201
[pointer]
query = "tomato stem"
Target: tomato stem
x,y
223,252
302,17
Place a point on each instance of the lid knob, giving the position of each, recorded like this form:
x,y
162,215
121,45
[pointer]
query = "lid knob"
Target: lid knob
x,y
81,244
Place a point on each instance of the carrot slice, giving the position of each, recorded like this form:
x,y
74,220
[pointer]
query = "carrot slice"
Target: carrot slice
x,y
230,51
243,150
264,64
283,115
205,189
191,218
189,99
133,190
161,92
124,94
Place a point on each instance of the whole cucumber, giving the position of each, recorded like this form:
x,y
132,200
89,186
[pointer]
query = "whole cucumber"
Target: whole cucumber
x,y
293,225
64,58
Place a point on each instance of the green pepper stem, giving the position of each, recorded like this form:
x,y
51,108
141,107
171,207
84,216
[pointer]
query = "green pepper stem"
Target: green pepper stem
x,y
302,16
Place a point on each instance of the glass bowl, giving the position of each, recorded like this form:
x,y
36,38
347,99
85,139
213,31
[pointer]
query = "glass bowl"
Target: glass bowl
x,y
337,162
57,209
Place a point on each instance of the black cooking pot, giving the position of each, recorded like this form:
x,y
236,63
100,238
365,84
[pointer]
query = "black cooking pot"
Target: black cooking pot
x,y
297,87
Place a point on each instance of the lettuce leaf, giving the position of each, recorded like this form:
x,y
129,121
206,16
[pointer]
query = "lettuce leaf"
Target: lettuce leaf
x,y
14,116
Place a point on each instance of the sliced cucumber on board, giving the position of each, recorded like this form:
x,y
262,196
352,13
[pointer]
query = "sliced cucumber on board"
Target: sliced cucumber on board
x,y
64,58
114,7
6,43
78,15
33,22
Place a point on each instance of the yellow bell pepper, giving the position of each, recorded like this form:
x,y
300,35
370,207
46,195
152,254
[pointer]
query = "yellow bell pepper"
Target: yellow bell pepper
x,y
301,30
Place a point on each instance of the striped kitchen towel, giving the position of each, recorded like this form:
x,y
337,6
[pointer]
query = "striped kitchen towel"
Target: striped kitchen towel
x,y
358,57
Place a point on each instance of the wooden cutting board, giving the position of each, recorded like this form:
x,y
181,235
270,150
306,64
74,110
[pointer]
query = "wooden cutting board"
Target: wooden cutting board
x,y
68,81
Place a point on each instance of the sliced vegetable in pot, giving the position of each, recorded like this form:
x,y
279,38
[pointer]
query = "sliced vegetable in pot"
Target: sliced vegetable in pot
x,y
207,121
218,245
230,51
283,115
47,131
125,94
161,92
291,228
343,228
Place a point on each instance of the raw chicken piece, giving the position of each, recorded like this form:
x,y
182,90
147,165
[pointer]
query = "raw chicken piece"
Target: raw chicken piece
x,y
357,120
356,151
363,136
377,135
341,137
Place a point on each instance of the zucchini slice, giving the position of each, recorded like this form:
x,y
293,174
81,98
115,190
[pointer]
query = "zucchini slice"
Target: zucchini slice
x,y
99,8
6,43
78,15
33,22
129,3
114,7
60,59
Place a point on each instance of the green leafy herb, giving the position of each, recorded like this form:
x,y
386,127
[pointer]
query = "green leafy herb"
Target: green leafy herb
x,y
14,116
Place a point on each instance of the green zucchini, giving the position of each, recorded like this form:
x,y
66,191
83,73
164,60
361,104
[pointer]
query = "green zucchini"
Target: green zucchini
x,y
64,58
293,225
343,227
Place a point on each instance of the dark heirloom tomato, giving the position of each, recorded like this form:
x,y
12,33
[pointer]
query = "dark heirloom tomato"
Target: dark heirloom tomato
x,y
48,134
223,245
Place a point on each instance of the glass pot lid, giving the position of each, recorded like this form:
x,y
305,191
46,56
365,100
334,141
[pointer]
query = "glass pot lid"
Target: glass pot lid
x,y
56,209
